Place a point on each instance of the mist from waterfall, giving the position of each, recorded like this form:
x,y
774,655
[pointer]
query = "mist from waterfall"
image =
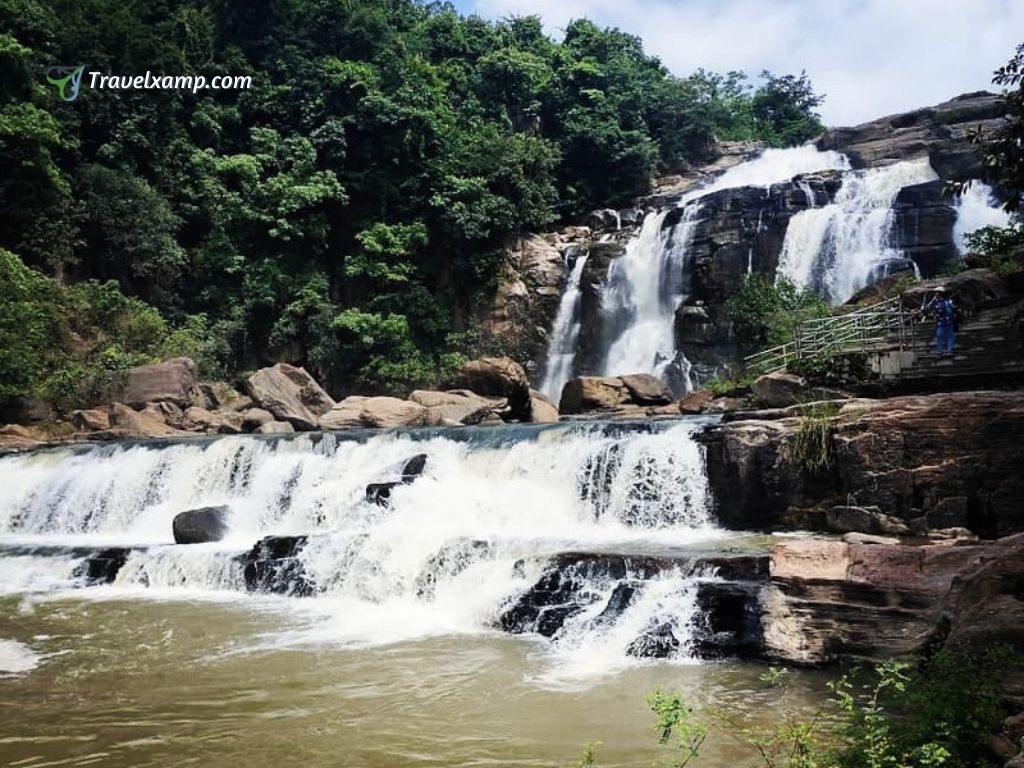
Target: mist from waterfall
x,y
841,247
565,332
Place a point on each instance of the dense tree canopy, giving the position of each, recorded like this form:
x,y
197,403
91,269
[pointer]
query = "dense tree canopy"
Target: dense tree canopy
x,y
348,209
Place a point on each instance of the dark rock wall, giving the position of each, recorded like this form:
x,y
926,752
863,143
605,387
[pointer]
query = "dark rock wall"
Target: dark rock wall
x,y
933,462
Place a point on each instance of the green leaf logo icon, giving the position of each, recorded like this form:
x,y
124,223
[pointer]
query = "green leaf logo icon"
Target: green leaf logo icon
x,y
63,77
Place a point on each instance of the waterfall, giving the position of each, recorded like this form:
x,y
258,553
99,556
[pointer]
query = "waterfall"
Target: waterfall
x,y
446,554
977,208
645,287
564,333
841,247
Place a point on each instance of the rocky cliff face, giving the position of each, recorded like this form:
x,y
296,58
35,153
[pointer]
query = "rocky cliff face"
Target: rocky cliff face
x,y
940,132
743,230
907,464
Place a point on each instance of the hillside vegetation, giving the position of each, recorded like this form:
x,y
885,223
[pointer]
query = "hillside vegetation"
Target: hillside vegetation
x,y
347,211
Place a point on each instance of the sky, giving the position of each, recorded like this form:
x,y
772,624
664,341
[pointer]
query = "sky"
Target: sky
x,y
869,57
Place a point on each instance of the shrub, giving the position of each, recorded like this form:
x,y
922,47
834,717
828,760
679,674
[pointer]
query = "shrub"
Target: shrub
x,y
767,313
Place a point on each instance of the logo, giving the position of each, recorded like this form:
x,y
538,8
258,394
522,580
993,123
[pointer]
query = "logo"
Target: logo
x,y
72,76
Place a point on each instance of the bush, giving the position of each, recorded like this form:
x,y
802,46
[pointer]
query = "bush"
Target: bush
x,y
767,313
900,714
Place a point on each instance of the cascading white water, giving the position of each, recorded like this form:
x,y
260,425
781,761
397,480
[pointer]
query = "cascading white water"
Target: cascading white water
x,y
564,333
977,208
841,247
444,556
645,287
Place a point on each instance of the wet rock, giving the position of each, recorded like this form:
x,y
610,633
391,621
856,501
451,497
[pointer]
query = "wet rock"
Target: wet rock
x,y
102,567
498,377
391,412
871,520
452,559
657,642
174,381
290,394
730,620
694,326
622,597
379,493
696,402
200,526
273,566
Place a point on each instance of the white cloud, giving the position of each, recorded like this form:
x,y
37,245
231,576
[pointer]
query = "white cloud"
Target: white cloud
x,y
871,57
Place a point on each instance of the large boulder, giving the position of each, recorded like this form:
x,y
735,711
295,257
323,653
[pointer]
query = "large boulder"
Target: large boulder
x,y
275,428
91,420
199,526
348,414
221,396
290,394
24,410
645,389
174,381
254,418
197,419
391,412
126,422
779,389
456,407
593,393
542,410
498,377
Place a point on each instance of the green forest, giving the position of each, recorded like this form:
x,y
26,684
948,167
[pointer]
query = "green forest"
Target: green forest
x,y
348,211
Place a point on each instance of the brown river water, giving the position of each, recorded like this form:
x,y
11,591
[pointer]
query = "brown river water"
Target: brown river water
x,y
137,682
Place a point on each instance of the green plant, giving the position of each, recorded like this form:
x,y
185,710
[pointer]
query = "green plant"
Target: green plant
x,y
810,447
767,312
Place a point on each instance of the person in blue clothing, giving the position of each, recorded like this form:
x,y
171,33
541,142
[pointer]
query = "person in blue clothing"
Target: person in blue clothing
x,y
942,308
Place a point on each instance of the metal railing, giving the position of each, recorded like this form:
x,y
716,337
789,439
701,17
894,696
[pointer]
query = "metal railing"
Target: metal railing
x,y
883,324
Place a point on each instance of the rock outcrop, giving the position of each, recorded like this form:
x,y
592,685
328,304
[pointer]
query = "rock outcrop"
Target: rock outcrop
x,y
940,132
391,413
498,377
932,462
172,381
830,600
604,394
290,394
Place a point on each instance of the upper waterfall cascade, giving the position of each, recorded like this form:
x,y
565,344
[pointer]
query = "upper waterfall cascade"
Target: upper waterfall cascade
x,y
834,248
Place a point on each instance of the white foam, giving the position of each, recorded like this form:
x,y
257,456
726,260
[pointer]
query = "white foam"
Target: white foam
x,y
17,658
